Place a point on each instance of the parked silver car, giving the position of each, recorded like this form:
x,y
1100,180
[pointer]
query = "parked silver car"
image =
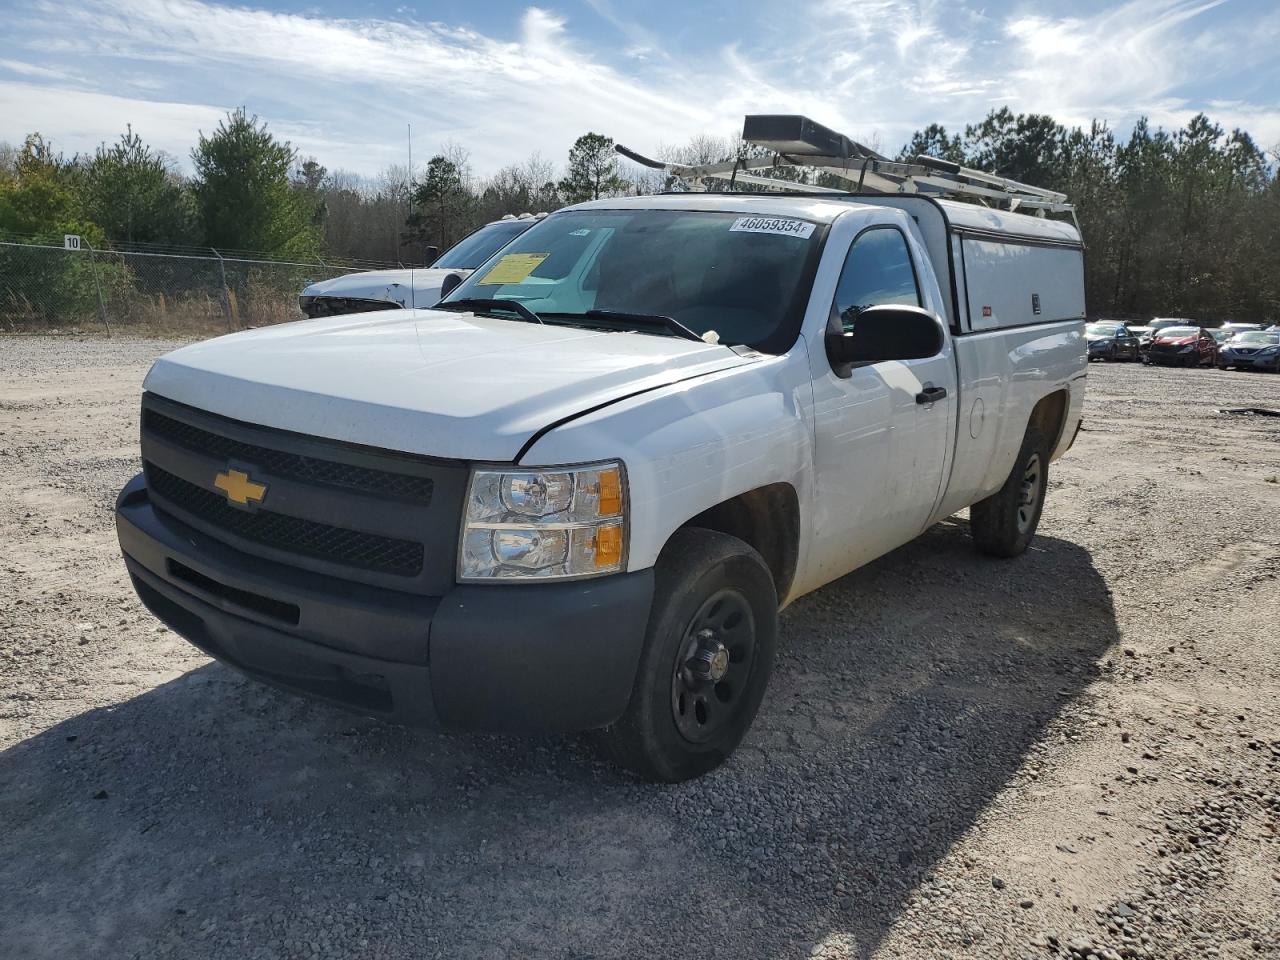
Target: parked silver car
x,y
1251,350
411,287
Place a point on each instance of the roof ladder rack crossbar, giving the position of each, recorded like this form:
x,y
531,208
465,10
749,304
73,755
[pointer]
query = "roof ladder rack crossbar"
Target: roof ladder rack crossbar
x,y
797,142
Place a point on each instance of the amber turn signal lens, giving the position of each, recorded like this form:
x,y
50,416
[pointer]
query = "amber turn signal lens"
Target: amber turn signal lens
x,y
610,493
609,545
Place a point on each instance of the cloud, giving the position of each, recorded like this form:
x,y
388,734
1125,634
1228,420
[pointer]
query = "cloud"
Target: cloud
x,y
1128,58
77,120
344,88
361,81
31,70
643,43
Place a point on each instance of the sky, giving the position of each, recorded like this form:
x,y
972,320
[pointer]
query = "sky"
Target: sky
x,y
343,82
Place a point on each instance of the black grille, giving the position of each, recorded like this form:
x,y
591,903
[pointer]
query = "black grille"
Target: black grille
x,y
267,606
351,548
291,465
337,306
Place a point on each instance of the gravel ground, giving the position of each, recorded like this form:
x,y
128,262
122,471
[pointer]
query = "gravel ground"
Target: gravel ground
x,y
1074,753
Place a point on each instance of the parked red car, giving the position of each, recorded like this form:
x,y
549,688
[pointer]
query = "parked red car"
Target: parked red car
x,y
1183,347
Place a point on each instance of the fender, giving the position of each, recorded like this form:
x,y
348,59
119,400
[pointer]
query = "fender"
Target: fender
x,y
691,445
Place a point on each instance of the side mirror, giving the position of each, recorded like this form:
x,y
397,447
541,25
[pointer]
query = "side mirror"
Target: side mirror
x,y
430,255
449,284
886,332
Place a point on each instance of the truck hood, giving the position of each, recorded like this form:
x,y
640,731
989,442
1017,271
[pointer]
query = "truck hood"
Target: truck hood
x,y
395,286
427,382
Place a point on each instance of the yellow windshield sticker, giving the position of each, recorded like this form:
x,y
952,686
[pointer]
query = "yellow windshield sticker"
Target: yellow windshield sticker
x,y
513,268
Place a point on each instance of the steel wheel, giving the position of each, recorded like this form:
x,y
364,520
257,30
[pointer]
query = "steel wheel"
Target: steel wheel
x,y
709,681
1029,493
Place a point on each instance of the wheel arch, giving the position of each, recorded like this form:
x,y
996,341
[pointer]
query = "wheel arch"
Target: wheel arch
x,y
767,519
1049,416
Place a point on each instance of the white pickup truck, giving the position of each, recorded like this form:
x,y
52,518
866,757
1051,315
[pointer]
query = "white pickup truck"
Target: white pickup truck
x,y
575,495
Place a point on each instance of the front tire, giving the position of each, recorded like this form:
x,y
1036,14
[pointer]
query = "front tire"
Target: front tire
x,y
1004,523
706,661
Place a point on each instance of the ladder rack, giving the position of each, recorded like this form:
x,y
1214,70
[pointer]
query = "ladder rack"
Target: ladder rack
x,y
798,142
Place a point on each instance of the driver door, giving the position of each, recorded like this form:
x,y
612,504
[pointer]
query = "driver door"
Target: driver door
x,y
882,434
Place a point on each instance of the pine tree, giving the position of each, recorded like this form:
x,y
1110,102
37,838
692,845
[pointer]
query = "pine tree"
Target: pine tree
x,y
593,170
131,192
243,197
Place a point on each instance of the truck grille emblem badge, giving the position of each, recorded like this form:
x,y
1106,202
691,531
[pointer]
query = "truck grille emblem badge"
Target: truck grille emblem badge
x,y
241,490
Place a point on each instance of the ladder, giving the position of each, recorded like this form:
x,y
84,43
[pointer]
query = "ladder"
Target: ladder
x,y
798,142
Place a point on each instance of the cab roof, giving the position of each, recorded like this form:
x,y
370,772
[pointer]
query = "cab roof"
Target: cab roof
x,y
818,209
826,208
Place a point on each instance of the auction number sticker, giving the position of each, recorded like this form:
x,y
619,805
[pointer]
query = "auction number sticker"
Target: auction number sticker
x,y
783,226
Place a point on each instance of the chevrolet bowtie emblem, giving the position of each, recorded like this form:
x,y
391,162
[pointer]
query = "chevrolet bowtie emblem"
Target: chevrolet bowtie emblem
x,y
239,489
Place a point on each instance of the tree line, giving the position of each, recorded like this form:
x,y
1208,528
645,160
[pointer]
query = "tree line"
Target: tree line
x,y
1176,223
250,191
1183,223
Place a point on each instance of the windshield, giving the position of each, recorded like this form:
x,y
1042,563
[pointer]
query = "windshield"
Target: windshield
x,y
1101,329
474,249
730,273
1258,337
1178,332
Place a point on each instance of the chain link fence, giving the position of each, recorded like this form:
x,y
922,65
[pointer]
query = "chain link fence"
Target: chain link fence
x,y
44,287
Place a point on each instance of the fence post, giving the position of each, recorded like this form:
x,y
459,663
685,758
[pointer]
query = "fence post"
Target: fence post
x,y
102,304
226,291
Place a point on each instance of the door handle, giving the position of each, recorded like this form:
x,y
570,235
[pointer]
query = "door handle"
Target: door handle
x,y
931,394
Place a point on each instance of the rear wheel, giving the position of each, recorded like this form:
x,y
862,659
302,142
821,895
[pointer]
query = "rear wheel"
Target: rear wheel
x,y
706,661
1004,523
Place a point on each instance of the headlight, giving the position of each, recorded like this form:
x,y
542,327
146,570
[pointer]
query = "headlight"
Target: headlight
x,y
1188,348
546,524
1268,351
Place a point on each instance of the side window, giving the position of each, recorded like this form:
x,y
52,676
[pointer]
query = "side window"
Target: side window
x,y
877,270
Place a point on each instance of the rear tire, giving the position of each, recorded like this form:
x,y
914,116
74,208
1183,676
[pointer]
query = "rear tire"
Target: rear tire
x,y
1004,523
707,657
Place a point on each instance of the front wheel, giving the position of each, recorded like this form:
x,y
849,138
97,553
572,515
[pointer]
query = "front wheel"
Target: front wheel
x,y
1004,523
707,657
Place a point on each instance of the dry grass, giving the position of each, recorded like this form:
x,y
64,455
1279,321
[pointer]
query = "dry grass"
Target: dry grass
x,y
161,316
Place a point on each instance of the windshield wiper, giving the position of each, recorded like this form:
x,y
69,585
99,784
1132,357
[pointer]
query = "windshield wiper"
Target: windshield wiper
x,y
670,324
483,303
647,319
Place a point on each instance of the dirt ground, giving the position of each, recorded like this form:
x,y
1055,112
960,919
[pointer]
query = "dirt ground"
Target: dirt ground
x,y
1073,753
